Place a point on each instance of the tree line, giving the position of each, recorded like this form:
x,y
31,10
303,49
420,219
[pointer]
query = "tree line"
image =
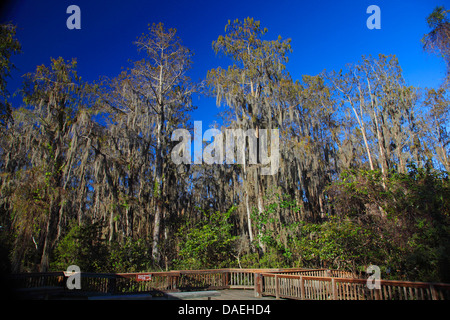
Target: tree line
x,y
87,176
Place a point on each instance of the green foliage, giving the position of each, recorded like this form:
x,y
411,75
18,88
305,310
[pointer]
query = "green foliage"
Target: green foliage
x,y
399,222
130,256
30,200
271,258
5,249
84,247
335,242
408,215
9,45
208,244
438,39
273,234
338,244
437,17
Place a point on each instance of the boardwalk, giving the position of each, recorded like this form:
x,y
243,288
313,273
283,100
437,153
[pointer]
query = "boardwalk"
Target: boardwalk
x,y
226,294
232,294
227,284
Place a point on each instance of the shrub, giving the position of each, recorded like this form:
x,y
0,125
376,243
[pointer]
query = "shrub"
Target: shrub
x,y
209,244
130,256
82,246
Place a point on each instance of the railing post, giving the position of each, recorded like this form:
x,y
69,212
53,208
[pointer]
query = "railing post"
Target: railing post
x,y
377,294
334,289
112,285
434,295
277,287
176,281
258,285
225,277
302,288
171,282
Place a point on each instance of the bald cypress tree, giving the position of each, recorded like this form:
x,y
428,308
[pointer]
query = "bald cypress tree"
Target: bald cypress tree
x,y
9,45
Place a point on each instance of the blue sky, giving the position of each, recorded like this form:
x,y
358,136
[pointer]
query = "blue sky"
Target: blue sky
x,y
325,35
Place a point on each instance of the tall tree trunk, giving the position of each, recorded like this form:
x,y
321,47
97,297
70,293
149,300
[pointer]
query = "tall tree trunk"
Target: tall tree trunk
x,y
158,191
50,232
249,219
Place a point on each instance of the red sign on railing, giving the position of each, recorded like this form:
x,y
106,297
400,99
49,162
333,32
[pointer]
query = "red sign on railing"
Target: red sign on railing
x,y
143,277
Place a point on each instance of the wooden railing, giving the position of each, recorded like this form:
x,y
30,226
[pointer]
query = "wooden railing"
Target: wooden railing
x,y
317,273
198,279
330,288
42,279
307,284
